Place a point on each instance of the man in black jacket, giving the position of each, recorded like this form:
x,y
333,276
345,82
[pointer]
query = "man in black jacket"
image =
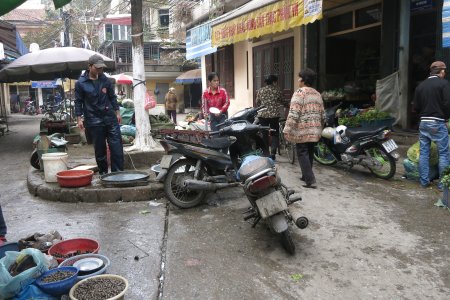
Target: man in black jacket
x,y
432,103
96,101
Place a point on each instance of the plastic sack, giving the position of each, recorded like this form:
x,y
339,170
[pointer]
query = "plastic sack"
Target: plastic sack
x,y
412,170
127,103
9,285
127,115
414,152
128,130
149,101
35,293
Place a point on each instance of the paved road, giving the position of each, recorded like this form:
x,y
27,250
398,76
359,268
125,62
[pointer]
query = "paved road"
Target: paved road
x,y
367,239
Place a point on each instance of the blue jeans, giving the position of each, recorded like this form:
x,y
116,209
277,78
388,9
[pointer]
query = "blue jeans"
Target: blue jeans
x,y
438,133
110,134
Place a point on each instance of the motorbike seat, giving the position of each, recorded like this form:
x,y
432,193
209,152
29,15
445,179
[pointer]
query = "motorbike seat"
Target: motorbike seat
x,y
253,167
356,133
218,143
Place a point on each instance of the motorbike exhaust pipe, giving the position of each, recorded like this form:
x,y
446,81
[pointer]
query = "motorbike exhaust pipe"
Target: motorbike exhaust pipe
x,y
301,221
200,185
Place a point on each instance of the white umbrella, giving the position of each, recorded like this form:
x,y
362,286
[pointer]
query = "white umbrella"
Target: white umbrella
x,y
52,63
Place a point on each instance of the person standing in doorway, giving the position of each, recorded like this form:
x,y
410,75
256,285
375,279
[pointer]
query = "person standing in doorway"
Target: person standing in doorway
x,y
271,97
304,123
171,104
432,103
96,101
215,97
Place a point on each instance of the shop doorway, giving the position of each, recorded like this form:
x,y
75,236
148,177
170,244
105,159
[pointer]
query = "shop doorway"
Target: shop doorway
x,y
353,66
276,58
192,96
423,46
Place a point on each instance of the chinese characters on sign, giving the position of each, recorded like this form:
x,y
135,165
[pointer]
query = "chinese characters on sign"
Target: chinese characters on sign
x,y
279,16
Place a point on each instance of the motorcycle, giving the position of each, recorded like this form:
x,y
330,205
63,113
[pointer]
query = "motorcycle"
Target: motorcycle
x,y
30,108
247,114
207,168
372,148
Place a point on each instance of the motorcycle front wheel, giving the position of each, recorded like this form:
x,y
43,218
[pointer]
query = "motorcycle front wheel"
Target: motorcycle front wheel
x,y
386,168
179,195
323,154
287,241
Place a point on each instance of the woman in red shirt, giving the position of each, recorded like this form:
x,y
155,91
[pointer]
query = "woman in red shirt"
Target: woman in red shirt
x,y
215,96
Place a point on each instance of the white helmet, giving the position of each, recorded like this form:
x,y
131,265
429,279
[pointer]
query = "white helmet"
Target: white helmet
x,y
328,132
341,130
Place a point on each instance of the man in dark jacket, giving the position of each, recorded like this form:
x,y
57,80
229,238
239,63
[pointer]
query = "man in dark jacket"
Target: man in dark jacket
x,y
432,103
96,101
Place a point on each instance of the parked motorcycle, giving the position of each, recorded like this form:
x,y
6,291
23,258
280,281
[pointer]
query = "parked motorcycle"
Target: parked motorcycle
x,y
206,167
372,148
30,108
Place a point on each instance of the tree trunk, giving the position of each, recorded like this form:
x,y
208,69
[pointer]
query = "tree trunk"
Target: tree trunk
x,y
143,140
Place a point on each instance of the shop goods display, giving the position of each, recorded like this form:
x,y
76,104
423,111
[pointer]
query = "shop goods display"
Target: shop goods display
x,y
107,287
72,247
58,281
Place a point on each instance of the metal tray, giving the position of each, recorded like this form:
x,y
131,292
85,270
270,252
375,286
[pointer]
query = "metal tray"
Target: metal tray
x,y
125,178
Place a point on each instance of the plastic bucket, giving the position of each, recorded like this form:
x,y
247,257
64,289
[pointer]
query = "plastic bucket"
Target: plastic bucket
x,y
49,150
54,163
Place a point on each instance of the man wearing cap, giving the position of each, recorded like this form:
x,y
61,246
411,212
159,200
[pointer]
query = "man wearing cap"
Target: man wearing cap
x,y
96,101
432,103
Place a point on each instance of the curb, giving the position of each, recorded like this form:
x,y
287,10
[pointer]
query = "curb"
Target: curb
x,y
95,192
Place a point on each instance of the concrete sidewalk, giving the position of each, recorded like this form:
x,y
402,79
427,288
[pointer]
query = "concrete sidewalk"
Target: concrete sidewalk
x,y
79,154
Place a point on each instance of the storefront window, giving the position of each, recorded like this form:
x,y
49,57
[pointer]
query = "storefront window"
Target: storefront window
x,y
368,15
340,23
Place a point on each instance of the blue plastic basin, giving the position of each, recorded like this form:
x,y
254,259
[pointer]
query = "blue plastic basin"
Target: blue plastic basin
x,y
58,288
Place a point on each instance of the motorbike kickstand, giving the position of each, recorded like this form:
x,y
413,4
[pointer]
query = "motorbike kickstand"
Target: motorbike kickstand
x,y
256,222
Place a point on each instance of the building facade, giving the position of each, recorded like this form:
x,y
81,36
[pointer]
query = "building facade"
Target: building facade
x,y
355,47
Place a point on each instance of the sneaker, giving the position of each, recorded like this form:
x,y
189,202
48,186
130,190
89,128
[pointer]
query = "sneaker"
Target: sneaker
x,y
440,204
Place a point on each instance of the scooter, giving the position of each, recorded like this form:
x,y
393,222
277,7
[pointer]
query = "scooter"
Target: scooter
x,y
247,114
205,168
372,148
30,108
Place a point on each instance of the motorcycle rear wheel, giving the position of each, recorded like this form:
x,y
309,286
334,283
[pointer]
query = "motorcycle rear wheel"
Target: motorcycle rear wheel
x,y
323,154
388,168
173,184
287,241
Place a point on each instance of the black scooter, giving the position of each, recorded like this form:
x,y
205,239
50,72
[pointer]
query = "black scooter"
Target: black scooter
x,y
369,147
204,168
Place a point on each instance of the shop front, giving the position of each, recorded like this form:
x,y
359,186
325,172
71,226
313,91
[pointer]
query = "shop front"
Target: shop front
x,y
350,65
360,43
256,40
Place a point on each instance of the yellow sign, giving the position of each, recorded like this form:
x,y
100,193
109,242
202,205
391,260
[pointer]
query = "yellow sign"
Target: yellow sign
x,y
276,17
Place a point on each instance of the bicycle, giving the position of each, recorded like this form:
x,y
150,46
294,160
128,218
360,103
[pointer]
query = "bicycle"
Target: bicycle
x,y
286,147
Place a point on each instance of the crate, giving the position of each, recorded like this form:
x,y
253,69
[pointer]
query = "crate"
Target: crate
x,y
189,136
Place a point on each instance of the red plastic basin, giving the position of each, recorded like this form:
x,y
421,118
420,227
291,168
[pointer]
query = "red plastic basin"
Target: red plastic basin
x,y
69,248
74,178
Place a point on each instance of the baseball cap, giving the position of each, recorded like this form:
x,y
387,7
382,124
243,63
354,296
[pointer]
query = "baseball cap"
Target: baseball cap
x,y
438,65
97,61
